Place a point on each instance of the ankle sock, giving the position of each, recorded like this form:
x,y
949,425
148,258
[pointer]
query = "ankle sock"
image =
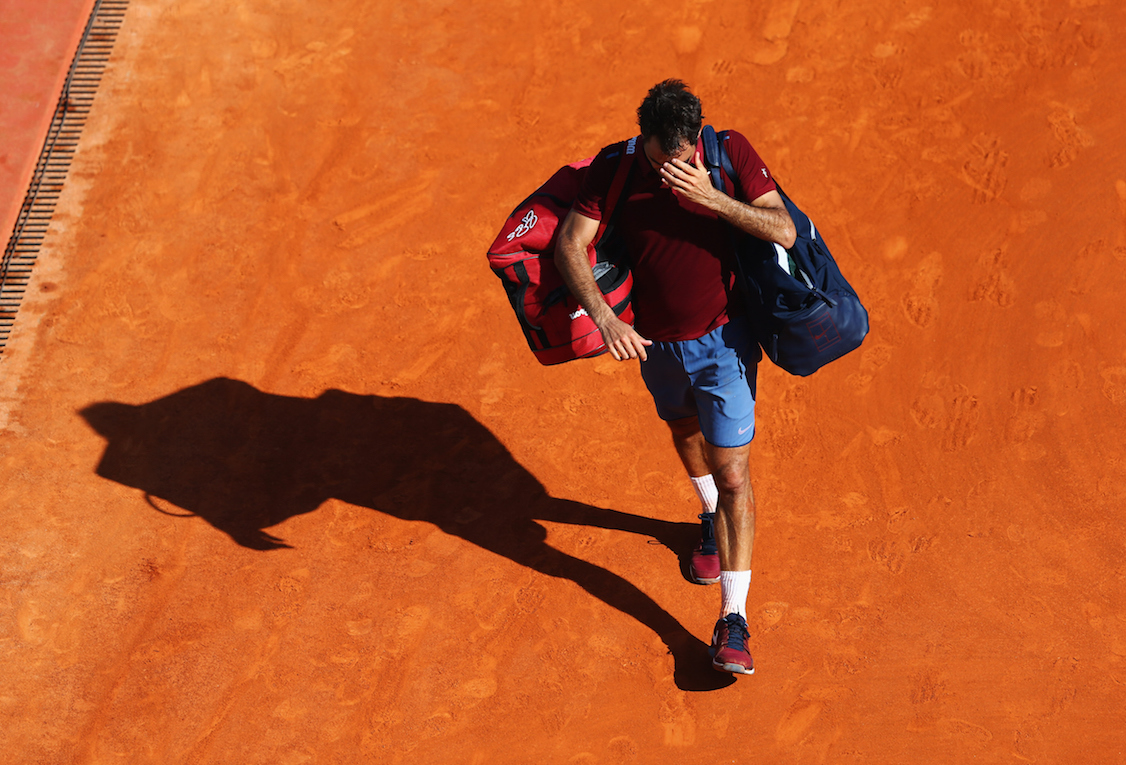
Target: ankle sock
x,y
706,491
734,586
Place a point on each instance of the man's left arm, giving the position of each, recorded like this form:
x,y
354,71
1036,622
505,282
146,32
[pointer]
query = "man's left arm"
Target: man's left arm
x,y
765,216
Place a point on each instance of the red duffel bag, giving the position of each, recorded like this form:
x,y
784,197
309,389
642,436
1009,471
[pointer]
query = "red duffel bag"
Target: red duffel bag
x,y
556,327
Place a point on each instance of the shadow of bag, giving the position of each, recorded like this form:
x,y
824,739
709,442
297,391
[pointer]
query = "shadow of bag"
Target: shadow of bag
x,y
804,311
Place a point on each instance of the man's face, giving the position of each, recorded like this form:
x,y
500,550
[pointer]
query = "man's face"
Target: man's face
x,y
657,158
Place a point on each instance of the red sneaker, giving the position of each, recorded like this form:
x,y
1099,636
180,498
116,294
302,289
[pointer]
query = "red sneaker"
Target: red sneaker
x,y
729,646
704,564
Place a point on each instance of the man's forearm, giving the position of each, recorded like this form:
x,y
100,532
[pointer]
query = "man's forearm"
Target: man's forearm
x,y
621,340
772,224
574,266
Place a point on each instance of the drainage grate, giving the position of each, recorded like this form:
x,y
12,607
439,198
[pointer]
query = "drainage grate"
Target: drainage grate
x,y
54,160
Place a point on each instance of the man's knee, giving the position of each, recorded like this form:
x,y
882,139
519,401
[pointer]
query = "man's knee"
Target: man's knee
x,y
731,470
729,479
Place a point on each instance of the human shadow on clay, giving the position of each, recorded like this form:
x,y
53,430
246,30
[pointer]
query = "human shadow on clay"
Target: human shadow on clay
x,y
245,461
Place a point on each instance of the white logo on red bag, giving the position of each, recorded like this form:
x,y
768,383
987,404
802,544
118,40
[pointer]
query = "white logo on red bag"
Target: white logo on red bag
x,y
578,313
530,220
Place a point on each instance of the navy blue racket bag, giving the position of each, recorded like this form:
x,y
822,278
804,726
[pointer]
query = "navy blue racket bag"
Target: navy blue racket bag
x,y
804,311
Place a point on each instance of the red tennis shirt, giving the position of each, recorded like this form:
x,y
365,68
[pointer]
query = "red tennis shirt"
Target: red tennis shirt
x,y
680,252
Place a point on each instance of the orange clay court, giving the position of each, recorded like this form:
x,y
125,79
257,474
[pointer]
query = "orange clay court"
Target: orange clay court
x,y
280,481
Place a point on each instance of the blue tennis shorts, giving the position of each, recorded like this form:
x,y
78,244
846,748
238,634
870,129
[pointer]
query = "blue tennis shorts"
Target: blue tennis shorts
x,y
712,377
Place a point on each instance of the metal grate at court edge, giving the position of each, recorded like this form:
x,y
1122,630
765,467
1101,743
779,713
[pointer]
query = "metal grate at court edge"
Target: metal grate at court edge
x,y
59,148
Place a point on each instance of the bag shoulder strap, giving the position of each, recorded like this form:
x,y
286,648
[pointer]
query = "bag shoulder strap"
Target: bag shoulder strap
x,y
717,160
625,164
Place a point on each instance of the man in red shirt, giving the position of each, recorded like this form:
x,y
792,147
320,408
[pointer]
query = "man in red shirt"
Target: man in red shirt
x,y
698,354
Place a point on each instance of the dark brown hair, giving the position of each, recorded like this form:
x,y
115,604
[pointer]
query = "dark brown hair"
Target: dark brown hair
x,y
671,113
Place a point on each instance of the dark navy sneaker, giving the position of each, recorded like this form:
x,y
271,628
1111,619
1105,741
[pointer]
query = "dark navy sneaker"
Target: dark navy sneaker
x,y
704,564
729,646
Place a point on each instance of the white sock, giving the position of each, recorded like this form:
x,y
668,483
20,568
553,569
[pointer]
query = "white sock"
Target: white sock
x,y
733,586
706,491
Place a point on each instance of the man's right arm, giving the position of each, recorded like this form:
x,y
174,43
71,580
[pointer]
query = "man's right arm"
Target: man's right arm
x,y
575,236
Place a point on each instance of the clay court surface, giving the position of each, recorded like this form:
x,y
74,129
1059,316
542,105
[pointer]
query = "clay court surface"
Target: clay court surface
x,y
280,481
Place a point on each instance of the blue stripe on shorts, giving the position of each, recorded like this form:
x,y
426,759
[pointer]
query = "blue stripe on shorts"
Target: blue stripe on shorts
x,y
712,377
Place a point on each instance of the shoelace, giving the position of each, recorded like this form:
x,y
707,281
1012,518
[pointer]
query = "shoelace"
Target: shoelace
x,y
737,632
707,534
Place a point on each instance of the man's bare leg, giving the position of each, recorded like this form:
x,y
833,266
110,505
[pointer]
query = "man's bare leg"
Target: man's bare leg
x,y
735,537
703,565
735,521
690,445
